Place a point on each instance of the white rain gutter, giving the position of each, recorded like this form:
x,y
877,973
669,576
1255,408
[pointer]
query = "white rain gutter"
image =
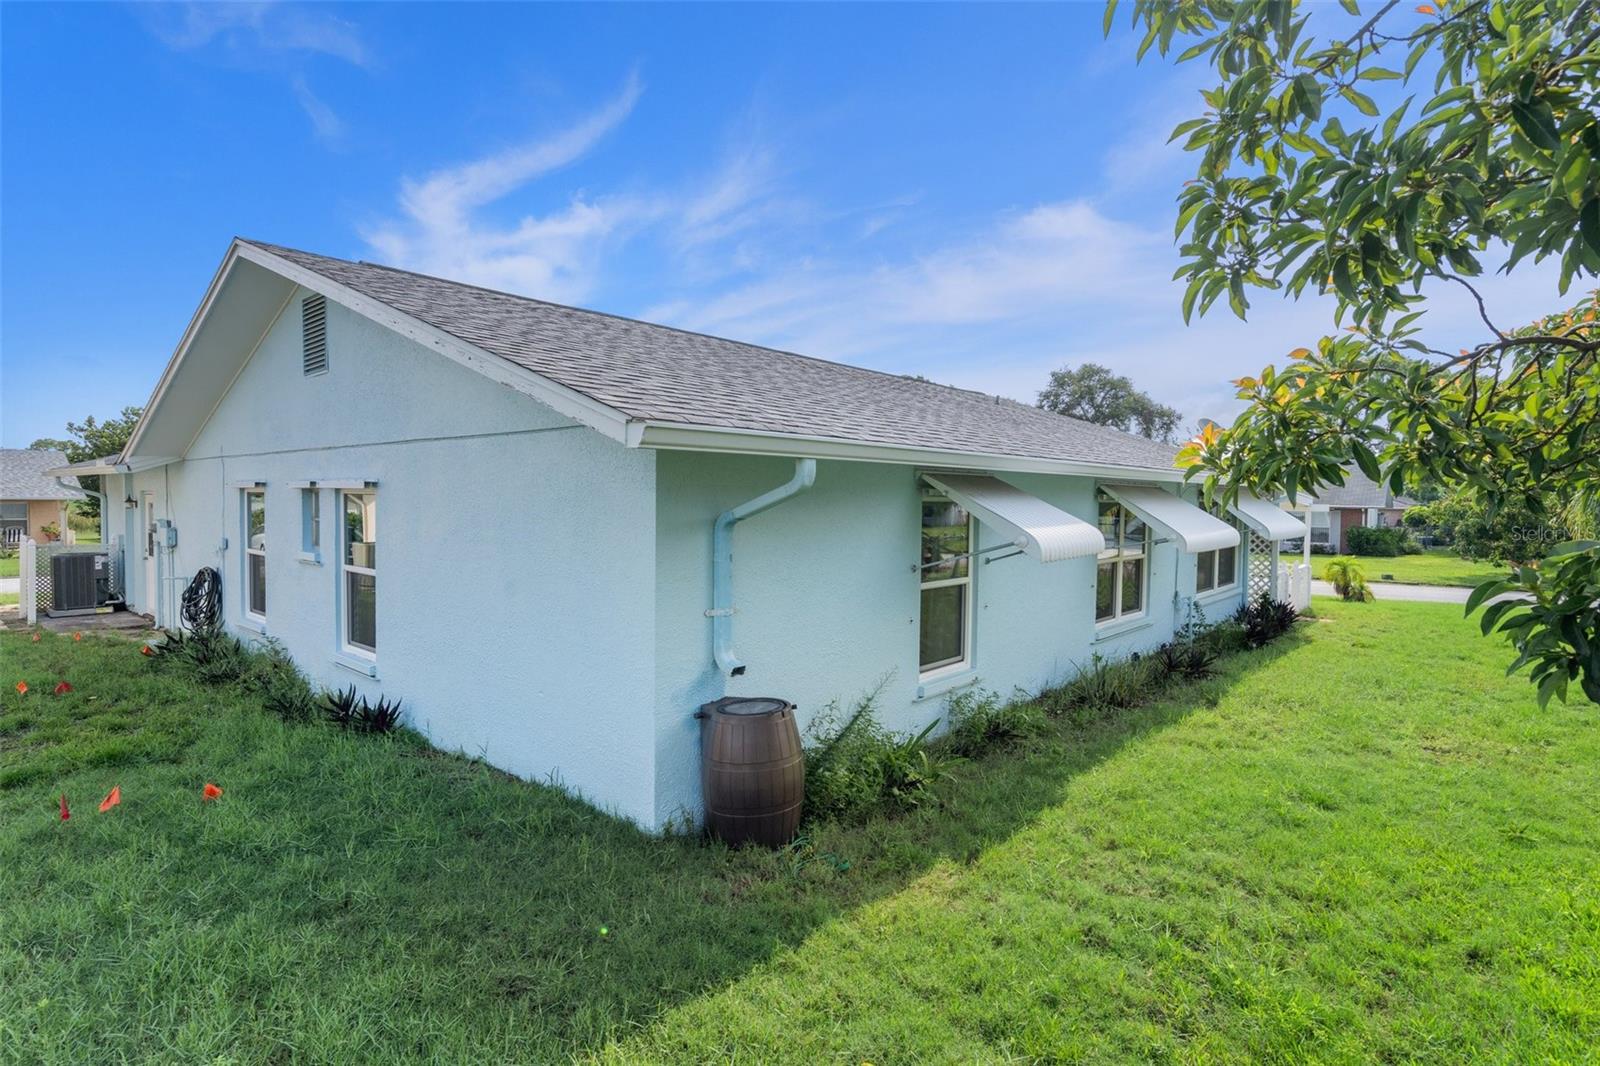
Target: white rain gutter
x,y
721,612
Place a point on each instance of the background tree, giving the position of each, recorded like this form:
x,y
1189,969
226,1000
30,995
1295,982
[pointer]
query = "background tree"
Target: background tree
x,y
1095,394
1490,146
91,439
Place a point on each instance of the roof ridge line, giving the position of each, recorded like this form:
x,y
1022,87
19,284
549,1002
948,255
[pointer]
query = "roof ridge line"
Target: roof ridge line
x,y
662,325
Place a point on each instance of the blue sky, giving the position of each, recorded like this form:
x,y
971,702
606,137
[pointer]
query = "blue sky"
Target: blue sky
x,y
973,193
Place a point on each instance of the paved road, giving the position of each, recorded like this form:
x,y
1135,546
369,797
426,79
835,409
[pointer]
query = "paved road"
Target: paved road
x,y
1386,590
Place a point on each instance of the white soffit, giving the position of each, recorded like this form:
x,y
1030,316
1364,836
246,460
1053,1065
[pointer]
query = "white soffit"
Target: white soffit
x,y
1268,519
1040,529
1196,530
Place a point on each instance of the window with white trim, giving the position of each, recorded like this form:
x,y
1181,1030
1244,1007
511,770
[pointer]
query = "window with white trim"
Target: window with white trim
x,y
359,570
1123,570
254,511
946,579
310,521
1217,570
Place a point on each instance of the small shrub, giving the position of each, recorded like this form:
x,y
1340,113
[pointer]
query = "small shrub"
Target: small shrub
x,y
381,717
283,689
1381,541
214,658
1265,620
981,720
859,767
1106,684
1185,660
1349,579
1224,638
342,707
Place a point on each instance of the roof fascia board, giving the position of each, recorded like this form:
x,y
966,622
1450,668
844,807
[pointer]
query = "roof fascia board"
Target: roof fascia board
x,y
689,438
569,402
217,280
223,395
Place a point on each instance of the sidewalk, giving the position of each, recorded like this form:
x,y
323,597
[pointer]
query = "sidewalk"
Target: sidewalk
x,y
1387,590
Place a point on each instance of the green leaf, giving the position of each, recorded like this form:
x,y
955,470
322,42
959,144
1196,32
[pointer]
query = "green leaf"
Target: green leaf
x,y
1366,460
1537,123
1363,103
1111,13
1484,591
1589,224
1308,96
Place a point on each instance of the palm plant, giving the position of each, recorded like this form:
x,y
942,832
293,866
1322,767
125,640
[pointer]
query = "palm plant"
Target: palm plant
x,y
1349,580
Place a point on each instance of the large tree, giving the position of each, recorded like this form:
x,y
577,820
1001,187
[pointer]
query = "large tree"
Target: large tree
x,y
92,439
1485,145
1095,394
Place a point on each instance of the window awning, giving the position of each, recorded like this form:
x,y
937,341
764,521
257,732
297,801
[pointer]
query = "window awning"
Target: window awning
x,y
1268,519
1194,529
1039,529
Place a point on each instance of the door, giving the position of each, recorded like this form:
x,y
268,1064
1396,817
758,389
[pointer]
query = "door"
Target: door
x,y
149,591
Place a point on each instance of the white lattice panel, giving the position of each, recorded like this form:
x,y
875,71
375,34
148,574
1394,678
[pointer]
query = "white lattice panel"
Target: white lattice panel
x,y
1262,580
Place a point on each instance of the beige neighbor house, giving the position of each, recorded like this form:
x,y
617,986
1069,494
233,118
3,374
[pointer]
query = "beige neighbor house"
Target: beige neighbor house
x,y
1337,509
33,504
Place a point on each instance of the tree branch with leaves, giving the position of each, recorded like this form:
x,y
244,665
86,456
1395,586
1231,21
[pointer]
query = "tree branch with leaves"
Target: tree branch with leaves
x,y
1489,146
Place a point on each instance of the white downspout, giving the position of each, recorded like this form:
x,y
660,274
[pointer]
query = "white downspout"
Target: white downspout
x,y
721,612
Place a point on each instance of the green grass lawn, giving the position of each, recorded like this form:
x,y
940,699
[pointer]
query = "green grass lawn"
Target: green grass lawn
x,y
1436,566
10,565
1364,843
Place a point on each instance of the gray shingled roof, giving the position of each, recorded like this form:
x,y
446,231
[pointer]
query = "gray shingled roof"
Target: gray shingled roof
x,y
22,476
662,374
1359,490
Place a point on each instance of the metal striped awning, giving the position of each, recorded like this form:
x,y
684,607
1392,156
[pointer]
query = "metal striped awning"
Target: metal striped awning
x,y
1039,529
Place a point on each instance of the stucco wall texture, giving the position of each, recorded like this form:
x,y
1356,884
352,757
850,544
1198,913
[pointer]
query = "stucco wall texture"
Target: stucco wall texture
x,y
542,590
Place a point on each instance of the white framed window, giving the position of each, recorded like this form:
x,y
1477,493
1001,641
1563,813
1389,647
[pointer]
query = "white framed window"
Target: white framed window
x,y
1123,572
1217,570
254,511
946,580
310,521
358,571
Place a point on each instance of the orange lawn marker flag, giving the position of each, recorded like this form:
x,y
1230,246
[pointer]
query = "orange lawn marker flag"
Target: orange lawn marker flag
x,y
62,689
65,814
77,636
210,792
147,650
113,798
36,638
22,688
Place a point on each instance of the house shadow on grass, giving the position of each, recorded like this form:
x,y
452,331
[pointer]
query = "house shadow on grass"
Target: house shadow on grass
x,y
612,927
443,910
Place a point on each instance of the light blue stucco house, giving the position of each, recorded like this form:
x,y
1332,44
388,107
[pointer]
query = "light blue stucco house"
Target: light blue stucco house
x,y
590,526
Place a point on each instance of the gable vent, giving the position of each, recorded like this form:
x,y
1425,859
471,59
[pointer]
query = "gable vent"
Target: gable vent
x,y
314,334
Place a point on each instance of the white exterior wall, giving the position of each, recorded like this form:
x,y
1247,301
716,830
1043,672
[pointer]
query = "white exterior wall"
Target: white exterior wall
x,y
828,601
515,551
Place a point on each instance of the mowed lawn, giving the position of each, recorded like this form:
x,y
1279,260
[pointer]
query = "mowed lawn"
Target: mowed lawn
x,y
1364,843
1435,566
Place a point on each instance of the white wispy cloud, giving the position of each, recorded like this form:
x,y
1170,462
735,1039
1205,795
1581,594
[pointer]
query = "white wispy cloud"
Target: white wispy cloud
x,y
734,251
247,28
447,221
441,229
276,38
327,125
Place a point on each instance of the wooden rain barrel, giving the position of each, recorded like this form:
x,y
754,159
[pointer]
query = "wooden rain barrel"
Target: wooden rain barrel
x,y
752,770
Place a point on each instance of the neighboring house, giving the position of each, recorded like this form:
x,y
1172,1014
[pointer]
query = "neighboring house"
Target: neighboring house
x,y
32,499
590,526
1337,509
